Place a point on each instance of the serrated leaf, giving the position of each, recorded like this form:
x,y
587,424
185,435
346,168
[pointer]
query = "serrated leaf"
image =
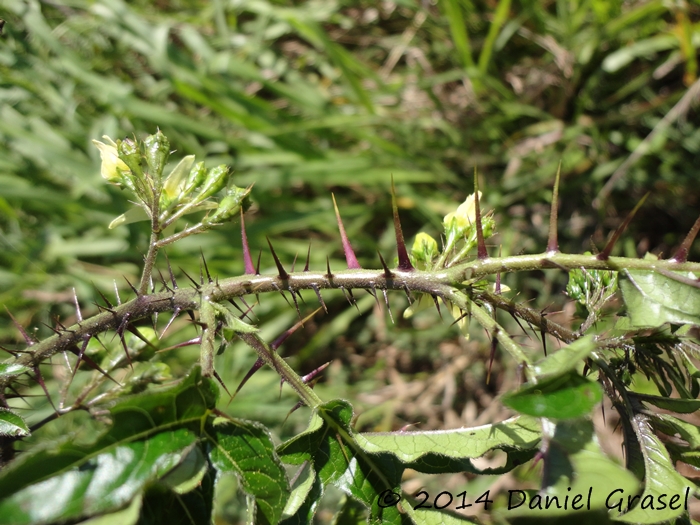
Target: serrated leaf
x,y
660,478
565,359
152,433
516,433
12,425
653,299
563,397
246,448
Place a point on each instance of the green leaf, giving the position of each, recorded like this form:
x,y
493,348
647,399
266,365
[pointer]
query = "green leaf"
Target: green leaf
x,y
152,435
660,478
127,516
517,433
12,425
671,426
576,468
565,359
12,369
563,397
329,444
98,480
653,299
246,448
165,507
303,484
682,406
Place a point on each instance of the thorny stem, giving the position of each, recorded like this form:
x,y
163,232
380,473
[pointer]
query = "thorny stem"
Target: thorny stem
x,y
442,283
150,259
275,361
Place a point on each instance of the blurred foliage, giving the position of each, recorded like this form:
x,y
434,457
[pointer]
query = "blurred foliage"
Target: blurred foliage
x,y
305,98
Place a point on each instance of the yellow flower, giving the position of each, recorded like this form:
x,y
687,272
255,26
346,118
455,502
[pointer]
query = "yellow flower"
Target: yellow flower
x,y
111,163
462,218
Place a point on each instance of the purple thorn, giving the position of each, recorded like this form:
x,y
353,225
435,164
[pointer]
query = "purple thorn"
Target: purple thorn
x,y
552,243
40,380
170,271
27,338
120,333
256,366
320,298
102,295
189,342
116,293
682,254
280,269
328,266
373,293
480,243
176,312
206,268
605,254
130,286
165,284
311,375
437,305
138,334
494,344
218,378
247,260
196,285
404,261
308,257
347,247
386,300
387,271
257,268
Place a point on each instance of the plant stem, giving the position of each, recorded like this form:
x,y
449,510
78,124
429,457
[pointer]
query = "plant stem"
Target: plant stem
x,y
286,372
150,259
441,283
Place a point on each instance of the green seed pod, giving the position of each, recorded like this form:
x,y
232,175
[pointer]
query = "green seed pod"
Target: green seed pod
x,y
194,180
157,151
217,178
230,205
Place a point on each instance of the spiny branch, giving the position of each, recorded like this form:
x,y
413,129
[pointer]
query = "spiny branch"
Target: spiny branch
x,y
441,283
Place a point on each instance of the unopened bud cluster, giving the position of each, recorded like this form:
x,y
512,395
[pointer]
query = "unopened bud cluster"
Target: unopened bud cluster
x,y
189,187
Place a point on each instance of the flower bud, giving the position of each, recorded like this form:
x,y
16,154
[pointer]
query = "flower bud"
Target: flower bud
x,y
112,167
195,179
230,205
424,248
157,151
458,222
216,179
